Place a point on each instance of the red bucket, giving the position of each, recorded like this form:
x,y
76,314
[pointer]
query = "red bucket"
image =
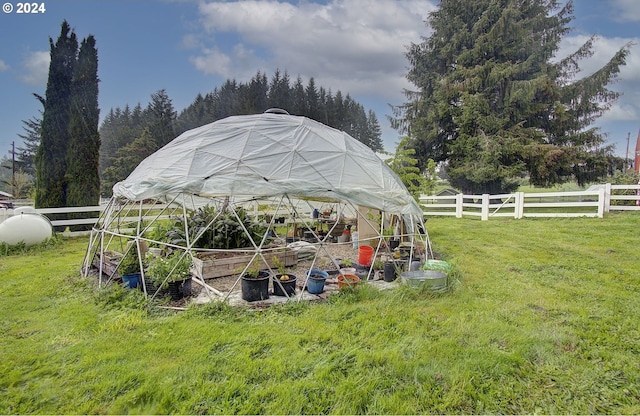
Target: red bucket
x,y
365,254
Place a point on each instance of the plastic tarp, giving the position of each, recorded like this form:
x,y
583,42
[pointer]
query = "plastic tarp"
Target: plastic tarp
x,y
266,155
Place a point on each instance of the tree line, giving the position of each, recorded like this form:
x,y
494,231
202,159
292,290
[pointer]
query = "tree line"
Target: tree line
x,y
131,134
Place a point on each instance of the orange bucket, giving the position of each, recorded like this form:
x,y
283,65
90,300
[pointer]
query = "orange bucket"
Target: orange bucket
x,y
365,254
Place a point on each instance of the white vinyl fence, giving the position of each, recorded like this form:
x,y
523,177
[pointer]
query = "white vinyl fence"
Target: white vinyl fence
x,y
591,203
134,210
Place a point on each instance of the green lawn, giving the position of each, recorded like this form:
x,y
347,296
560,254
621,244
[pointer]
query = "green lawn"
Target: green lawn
x,y
543,319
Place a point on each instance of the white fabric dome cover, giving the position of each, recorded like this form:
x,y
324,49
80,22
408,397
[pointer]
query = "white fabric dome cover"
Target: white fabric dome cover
x,y
265,155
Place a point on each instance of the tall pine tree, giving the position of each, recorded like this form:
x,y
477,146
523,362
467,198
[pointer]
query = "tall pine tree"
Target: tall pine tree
x,y
493,104
160,118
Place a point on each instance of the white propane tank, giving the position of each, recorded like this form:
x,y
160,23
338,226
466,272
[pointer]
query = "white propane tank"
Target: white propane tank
x,y
29,228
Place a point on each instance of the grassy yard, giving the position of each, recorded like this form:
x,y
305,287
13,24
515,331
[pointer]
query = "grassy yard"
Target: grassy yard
x,y
543,318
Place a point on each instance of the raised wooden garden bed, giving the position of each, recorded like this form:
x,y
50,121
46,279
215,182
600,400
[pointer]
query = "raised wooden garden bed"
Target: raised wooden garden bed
x,y
109,263
210,266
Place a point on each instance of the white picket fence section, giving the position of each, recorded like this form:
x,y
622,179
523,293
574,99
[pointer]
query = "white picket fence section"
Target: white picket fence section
x,y
591,203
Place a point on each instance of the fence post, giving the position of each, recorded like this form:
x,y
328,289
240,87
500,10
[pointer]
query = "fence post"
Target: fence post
x,y
485,207
459,200
518,210
603,204
607,197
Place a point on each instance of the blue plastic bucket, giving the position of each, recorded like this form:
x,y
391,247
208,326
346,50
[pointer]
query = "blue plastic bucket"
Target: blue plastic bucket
x,y
315,284
131,280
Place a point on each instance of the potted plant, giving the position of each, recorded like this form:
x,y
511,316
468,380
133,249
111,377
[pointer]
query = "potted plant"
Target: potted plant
x,y
346,267
170,272
129,267
315,282
347,281
255,284
284,284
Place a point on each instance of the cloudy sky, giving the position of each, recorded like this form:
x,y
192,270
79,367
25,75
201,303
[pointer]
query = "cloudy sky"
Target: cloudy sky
x,y
187,47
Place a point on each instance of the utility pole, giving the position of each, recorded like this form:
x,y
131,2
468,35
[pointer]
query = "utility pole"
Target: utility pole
x,y
13,167
626,158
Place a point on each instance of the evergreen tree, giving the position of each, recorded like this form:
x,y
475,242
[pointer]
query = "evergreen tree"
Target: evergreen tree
x,y
51,154
31,140
279,95
299,101
325,102
118,129
83,182
373,133
255,99
336,117
160,118
312,101
227,100
129,157
197,114
491,102
405,165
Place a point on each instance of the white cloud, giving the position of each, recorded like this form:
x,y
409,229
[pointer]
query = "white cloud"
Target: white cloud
x,y
239,64
627,10
36,65
356,46
3,66
212,62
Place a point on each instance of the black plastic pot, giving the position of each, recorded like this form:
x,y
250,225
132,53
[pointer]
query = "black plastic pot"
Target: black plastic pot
x,y
254,289
390,273
152,288
175,290
284,288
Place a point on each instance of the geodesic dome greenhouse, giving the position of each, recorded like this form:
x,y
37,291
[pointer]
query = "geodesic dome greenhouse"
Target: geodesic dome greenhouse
x,y
290,163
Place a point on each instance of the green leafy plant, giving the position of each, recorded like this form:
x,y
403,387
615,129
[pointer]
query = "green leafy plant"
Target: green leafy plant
x,y
346,263
225,232
406,166
228,231
254,272
130,263
176,266
283,277
378,264
160,231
